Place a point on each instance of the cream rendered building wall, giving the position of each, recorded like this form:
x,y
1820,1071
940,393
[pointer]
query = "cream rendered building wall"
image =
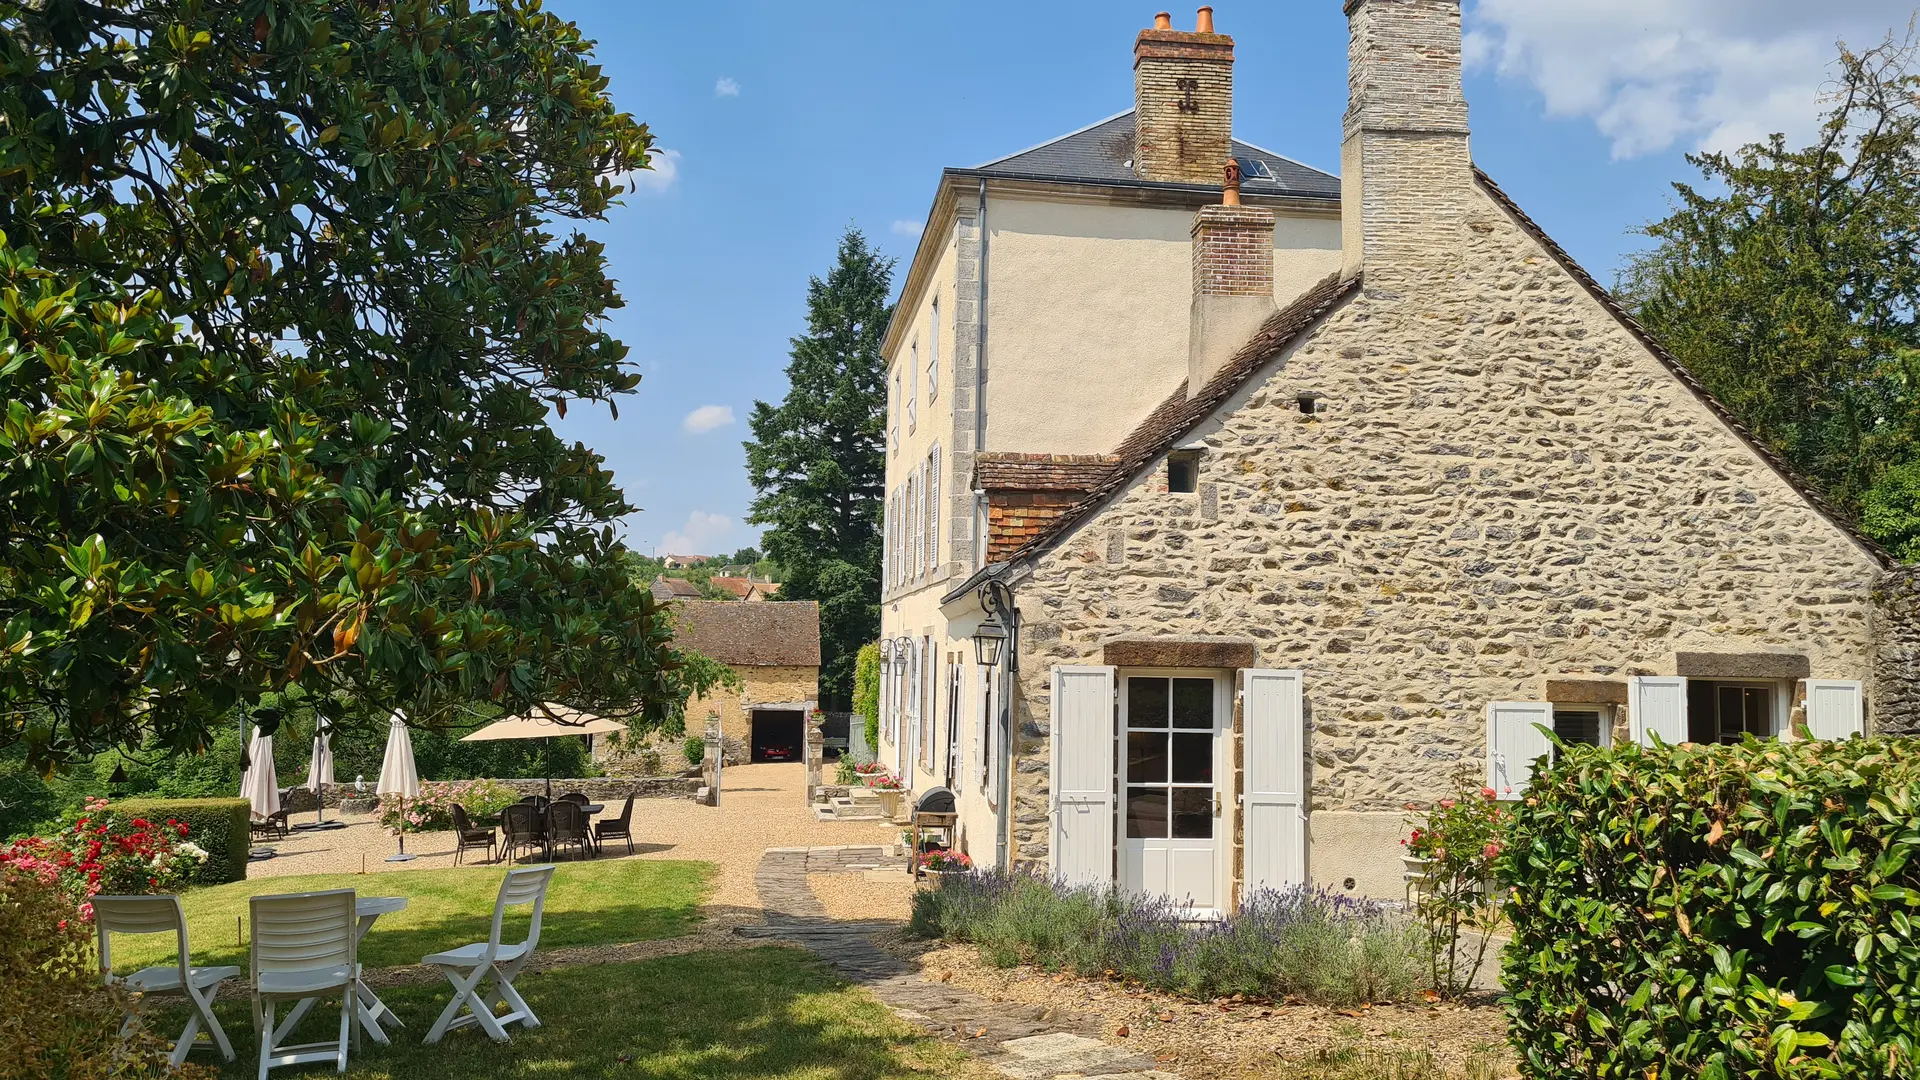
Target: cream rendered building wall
x,y
1088,313
1504,485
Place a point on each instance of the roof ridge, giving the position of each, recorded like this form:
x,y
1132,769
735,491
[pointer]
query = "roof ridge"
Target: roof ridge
x,y
1801,485
1055,139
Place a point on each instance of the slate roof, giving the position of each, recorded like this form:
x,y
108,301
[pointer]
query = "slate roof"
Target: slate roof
x,y
668,588
775,633
1178,415
1099,154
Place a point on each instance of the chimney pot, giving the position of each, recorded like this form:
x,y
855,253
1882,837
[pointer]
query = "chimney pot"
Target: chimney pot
x,y
1163,20
1203,21
1230,191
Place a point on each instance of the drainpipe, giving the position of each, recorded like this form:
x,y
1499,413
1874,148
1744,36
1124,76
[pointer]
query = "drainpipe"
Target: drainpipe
x,y
997,597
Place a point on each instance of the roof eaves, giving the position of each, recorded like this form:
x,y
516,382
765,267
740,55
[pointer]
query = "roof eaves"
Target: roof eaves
x,y
1056,139
1210,191
1179,415
1672,363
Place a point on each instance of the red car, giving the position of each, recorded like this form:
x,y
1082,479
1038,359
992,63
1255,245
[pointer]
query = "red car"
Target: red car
x,y
776,753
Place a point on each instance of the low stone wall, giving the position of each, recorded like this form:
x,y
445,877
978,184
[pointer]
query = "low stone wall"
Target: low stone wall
x,y
1895,692
598,788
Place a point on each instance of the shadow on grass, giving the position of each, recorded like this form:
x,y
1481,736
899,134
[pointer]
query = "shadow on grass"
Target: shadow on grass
x,y
760,1014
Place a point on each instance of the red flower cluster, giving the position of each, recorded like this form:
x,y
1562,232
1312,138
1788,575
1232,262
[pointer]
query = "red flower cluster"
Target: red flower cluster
x,y
96,852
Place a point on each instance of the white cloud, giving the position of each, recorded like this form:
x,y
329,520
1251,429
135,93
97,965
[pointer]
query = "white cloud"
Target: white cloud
x,y
698,535
656,180
706,418
1710,74
726,87
904,227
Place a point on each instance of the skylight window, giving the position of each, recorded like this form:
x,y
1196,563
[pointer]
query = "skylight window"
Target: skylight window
x,y
1252,168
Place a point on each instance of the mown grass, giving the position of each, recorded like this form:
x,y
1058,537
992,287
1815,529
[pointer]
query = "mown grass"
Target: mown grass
x,y
588,904
757,1014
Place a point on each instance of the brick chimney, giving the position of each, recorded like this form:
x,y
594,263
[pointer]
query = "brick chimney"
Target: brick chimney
x,y
1232,280
1405,169
1182,101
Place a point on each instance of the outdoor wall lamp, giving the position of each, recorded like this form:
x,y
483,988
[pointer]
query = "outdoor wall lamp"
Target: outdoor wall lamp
x,y
988,641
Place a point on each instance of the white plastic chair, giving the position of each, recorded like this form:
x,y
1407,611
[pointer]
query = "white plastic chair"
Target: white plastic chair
x,y
157,915
303,947
469,965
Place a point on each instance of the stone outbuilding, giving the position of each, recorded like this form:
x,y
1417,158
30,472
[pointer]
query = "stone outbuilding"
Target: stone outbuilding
x,y
774,646
1376,534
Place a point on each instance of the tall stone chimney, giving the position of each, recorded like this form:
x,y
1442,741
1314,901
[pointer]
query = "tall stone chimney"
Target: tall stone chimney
x,y
1405,169
1232,280
1182,101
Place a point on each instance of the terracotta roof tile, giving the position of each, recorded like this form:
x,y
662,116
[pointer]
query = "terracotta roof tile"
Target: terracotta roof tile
x,y
783,633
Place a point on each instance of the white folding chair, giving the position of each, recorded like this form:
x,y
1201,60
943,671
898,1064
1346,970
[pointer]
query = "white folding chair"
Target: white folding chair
x,y
470,965
303,947
157,915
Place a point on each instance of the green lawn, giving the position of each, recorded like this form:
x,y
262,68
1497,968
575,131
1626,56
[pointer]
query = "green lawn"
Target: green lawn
x,y
758,1014
588,904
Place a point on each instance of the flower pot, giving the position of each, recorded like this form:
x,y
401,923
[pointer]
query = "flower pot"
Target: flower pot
x,y
890,802
939,878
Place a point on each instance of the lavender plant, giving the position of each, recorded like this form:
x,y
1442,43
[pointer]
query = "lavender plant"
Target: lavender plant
x,y
1312,943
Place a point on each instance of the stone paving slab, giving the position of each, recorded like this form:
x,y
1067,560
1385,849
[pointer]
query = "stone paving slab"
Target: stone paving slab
x,y
1024,1042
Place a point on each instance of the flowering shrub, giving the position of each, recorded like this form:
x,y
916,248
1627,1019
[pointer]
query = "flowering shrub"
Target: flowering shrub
x,y
941,859
97,851
1328,948
1460,839
56,1019
433,807
870,768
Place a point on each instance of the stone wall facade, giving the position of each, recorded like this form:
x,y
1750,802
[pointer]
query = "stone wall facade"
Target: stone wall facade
x,y
763,686
1895,690
1501,485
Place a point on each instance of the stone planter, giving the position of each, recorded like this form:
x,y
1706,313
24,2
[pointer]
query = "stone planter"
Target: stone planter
x,y
889,801
1414,875
939,878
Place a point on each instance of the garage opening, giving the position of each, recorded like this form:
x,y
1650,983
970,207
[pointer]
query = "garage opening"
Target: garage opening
x,y
778,735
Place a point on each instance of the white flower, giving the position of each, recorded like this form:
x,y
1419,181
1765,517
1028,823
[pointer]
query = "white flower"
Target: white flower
x,y
190,849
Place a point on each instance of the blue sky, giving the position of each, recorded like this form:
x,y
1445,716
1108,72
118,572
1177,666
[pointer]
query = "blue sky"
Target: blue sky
x,y
784,123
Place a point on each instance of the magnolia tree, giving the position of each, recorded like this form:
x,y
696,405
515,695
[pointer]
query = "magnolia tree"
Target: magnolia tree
x,y
287,293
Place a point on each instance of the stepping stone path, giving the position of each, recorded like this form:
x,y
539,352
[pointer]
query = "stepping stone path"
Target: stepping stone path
x,y
1026,1042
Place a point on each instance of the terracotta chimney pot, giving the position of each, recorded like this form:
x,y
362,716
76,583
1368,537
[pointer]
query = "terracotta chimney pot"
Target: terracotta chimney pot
x,y
1163,21
1230,191
1203,21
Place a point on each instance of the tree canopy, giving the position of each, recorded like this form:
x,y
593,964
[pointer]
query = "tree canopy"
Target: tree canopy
x,y
286,296
818,459
1789,283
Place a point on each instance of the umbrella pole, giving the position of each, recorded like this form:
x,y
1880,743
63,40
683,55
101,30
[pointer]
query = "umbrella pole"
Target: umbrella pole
x,y
402,856
319,804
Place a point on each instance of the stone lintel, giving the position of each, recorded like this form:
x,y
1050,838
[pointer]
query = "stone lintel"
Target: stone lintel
x,y
1181,652
1748,665
1583,691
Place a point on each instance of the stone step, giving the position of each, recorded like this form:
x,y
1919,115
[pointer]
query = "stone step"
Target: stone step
x,y
847,813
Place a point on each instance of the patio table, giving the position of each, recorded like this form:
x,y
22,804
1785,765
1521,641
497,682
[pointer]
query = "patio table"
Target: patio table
x,y
370,1009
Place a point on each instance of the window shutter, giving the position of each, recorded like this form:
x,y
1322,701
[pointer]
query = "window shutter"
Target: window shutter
x,y
1082,775
1275,816
886,548
933,511
1835,709
1514,744
1657,705
982,740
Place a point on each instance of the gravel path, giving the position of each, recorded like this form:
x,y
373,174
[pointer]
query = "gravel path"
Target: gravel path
x,y
762,807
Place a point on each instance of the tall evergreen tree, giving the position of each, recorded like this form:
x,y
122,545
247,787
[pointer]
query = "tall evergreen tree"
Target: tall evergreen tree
x,y
818,459
1789,284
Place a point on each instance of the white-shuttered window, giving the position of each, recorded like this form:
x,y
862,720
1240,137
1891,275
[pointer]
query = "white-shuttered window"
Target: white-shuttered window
x,y
933,510
913,385
930,707
933,351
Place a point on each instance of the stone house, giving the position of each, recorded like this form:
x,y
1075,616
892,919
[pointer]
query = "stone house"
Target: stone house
x,y
667,589
774,647
1367,532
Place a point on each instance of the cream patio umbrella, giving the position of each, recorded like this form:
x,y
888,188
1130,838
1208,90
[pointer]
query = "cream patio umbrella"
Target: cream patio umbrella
x,y
398,775
563,721
259,785
320,774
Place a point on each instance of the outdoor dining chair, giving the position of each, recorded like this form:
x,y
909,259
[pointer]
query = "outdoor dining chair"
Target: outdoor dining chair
x,y
468,966
522,825
620,828
575,797
158,915
273,825
468,835
567,824
303,947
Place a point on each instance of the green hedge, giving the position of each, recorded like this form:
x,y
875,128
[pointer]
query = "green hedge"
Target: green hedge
x,y
1718,912
219,825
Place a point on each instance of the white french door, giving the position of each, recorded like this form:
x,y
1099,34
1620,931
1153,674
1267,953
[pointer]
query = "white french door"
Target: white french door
x,y
1173,758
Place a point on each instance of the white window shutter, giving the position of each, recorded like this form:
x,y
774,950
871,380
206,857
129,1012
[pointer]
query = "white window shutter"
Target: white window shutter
x,y
982,740
1082,775
1657,705
1275,816
1836,709
933,511
1514,744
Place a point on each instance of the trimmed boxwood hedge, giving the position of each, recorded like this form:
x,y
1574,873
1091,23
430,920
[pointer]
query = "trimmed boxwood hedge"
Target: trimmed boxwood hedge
x,y
219,825
1718,912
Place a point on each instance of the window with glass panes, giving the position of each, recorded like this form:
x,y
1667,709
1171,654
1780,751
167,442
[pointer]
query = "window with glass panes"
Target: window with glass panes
x,y
1169,745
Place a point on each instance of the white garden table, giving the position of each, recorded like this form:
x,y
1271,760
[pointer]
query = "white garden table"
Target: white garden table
x,y
371,1010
